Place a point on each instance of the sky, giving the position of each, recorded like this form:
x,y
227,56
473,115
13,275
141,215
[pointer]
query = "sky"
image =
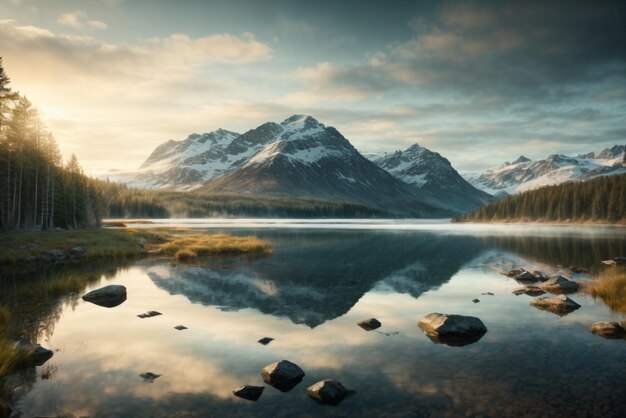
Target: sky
x,y
479,82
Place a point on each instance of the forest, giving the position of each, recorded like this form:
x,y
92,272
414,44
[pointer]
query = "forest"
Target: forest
x,y
38,190
601,200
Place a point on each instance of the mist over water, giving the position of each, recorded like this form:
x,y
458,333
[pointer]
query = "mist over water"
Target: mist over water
x,y
321,279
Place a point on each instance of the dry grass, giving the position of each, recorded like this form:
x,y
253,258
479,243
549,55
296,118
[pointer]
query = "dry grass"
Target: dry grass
x,y
610,286
188,246
10,359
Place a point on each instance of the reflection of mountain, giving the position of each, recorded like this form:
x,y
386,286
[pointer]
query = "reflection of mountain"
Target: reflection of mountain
x,y
319,276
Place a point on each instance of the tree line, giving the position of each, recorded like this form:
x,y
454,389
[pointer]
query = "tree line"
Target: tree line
x,y
602,199
37,189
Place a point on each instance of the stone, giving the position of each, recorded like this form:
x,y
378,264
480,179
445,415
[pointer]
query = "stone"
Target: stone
x,y
559,284
576,269
526,277
248,392
615,261
560,305
539,276
149,314
265,340
35,352
487,293
149,377
57,254
5,410
180,327
77,251
453,330
108,296
476,300
328,391
369,324
514,272
529,290
282,375
608,329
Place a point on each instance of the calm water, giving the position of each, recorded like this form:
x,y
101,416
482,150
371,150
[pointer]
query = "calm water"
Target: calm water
x,y
308,295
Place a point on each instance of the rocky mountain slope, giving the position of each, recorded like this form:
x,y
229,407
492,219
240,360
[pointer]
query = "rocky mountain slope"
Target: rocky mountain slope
x,y
430,172
524,174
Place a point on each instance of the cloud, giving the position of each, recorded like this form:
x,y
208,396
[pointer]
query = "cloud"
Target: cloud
x,y
79,19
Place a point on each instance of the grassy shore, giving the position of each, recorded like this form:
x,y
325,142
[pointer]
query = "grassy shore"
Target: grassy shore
x,y
106,243
610,286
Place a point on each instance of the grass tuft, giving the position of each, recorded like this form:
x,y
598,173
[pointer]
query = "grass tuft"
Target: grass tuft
x,y
610,286
188,246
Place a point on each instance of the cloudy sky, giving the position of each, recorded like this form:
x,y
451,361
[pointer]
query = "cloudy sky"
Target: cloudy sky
x,y
480,82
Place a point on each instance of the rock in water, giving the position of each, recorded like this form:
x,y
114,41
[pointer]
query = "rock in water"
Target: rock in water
x,y
251,393
149,377
369,324
525,277
488,294
529,290
615,261
453,330
559,284
560,305
608,330
283,375
149,314
328,392
180,327
265,340
475,300
36,354
108,296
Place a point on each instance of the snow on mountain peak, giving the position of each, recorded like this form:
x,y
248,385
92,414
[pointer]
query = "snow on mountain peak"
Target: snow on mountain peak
x,y
521,159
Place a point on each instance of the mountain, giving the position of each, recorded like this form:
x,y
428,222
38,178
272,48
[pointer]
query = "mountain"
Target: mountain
x,y
524,174
301,157
428,171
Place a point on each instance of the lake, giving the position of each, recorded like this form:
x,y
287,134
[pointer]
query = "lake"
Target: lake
x,y
322,278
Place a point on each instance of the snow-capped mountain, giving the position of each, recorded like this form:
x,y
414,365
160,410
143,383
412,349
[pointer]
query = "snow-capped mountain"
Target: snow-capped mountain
x,y
524,174
304,158
429,171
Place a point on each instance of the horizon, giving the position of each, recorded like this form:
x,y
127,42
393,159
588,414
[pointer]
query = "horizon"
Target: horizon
x,y
480,83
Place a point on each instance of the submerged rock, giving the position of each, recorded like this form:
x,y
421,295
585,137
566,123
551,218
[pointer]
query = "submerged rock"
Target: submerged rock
x,y
265,340
149,314
615,261
328,391
248,392
476,300
576,269
180,327
369,324
560,305
608,329
108,296
149,377
454,330
283,375
559,284
487,293
529,290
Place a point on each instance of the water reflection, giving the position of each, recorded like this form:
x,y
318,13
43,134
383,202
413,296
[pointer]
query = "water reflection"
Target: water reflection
x,y
308,296
324,278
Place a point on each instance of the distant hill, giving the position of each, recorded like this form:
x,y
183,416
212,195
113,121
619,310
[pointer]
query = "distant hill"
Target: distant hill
x,y
524,174
601,199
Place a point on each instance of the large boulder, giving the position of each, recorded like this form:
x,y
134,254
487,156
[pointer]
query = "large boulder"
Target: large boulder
x,y
107,296
560,305
283,375
328,391
454,330
559,284
608,329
